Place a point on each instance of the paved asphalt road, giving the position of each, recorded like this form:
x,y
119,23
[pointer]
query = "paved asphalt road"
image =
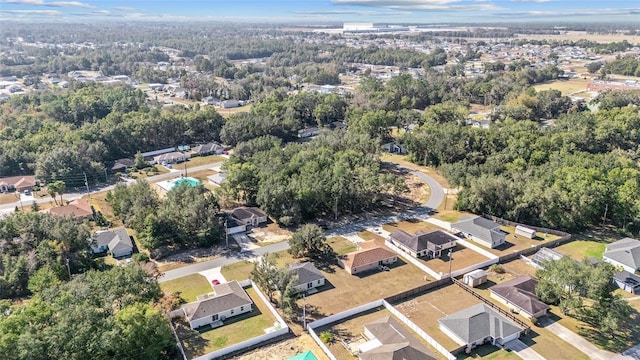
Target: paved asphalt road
x,y
73,196
435,199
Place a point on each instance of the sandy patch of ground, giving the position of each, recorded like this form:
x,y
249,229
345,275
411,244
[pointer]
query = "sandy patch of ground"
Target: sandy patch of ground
x,y
270,233
285,349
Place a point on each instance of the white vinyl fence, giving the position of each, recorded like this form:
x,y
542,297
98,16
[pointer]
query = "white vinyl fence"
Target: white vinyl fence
x,y
413,260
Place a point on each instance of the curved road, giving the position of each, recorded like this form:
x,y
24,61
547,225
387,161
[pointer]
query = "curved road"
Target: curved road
x,y
435,199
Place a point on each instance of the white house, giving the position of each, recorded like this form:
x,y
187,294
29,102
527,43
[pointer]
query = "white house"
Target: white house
x,y
308,277
624,253
477,325
234,227
117,241
483,231
229,300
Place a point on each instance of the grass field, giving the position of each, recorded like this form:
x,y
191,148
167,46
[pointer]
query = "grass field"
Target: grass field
x,y
201,160
411,226
341,245
580,249
190,287
238,271
369,236
235,330
462,258
147,172
451,216
426,309
566,87
231,111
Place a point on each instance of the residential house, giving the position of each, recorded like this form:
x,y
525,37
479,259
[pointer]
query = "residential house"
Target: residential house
x,y
525,231
520,295
250,216
210,100
149,155
481,230
308,132
78,209
227,104
308,277
117,241
624,253
388,339
171,158
229,299
17,183
233,226
394,148
121,165
477,325
208,149
475,278
627,281
218,179
420,244
370,256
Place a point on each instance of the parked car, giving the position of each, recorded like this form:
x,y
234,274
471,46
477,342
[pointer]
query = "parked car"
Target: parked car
x,y
215,282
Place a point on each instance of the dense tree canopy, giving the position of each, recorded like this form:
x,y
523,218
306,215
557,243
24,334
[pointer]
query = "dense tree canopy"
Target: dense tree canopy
x,y
97,315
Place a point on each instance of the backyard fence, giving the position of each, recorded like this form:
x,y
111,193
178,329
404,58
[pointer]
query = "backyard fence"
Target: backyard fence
x,y
476,248
284,329
413,260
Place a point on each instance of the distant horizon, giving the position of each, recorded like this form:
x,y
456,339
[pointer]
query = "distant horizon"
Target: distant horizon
x,y
324,12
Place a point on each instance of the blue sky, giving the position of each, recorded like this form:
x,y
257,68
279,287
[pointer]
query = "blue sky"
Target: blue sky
x,y
321,11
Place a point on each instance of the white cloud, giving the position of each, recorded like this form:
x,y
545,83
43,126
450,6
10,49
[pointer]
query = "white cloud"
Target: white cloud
x,y
124,8
33,12
534,1
571,13
51,4
101,12
422,5
353,12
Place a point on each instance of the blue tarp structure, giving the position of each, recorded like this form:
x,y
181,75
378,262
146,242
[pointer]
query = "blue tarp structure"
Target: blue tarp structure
x,y
307,355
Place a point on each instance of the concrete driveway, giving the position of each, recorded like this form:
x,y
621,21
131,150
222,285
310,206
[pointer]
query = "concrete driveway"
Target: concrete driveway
x,y
213,274
576,340
521,349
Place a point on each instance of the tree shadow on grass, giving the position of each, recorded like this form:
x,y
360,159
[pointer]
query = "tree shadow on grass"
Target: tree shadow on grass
x,y
626,336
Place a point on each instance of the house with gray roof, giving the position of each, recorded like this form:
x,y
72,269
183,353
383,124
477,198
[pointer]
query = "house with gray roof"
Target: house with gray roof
x,y
388,339
208,149
117,241
420,244
627,281
520,295
228,300
249,216
308,277
477,325
624,253
481,230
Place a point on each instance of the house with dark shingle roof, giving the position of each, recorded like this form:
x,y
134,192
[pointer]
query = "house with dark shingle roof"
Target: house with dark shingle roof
x,y
308,276
627,281
17,183
423,244
388,339
117,241
624,253
520,295
229,300
481,230
249,216
122,165
368,257
477,325
208,149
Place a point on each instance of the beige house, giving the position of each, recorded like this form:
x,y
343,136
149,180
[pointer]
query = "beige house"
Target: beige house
x,y
369,257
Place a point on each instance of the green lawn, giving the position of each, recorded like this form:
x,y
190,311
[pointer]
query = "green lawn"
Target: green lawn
x,y
580,249
203,160
238,271
235,330
341,245
189,287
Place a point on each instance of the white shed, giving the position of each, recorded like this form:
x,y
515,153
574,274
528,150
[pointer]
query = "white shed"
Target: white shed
x,y
525,231
475,278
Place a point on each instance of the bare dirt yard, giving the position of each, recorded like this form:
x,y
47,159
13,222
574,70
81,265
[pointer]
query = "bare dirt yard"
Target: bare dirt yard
x,y
270,233
462,258
285,349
